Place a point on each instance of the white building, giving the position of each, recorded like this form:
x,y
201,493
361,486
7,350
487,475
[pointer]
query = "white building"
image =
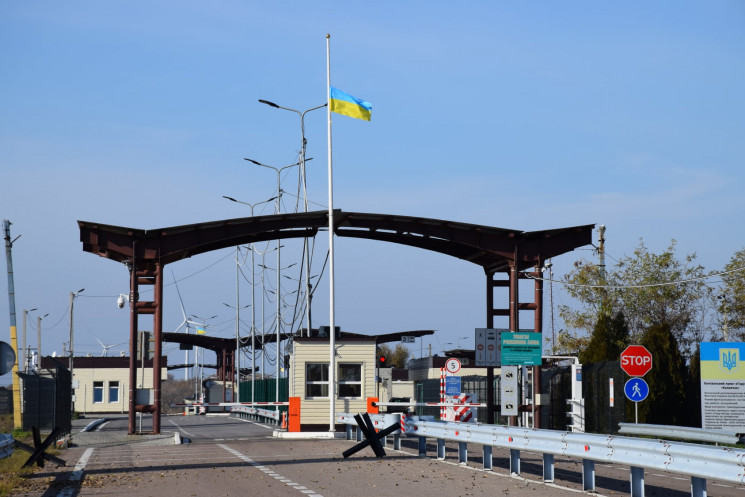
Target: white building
x,y
102,383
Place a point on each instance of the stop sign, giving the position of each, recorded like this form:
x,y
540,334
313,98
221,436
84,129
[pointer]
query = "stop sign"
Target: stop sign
x,y
636,360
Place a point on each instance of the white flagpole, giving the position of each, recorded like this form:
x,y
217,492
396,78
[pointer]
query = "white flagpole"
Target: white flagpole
x,y
332,328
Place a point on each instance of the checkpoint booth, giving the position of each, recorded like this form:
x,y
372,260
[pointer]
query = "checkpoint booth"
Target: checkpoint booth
x,y
309,378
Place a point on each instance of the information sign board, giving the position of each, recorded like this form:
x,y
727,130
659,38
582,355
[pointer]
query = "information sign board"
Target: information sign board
x,y
723,386
452,386
521,348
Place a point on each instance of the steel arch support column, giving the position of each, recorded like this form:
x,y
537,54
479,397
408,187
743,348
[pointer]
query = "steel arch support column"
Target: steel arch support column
x,y
133,317
158,331
538,329
490,370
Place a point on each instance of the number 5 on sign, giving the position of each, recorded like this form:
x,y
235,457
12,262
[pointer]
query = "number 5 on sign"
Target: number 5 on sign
x,y
452,365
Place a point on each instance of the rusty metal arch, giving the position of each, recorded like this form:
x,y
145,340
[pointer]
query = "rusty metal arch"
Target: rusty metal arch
x,y
496,250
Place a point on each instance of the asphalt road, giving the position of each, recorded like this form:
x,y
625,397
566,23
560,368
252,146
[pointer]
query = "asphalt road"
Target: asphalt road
x,y
228,456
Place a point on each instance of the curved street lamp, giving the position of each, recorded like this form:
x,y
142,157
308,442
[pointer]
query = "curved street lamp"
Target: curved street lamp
x,y
72,349
278,170
24,350
303,143
253,309
38,339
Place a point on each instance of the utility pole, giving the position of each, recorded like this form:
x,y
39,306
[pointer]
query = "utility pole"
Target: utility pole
x,y
17,422
601,250
72,350
237,356
604,305
38,342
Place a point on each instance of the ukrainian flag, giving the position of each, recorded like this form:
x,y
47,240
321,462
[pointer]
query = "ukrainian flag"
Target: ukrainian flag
x,y
346,104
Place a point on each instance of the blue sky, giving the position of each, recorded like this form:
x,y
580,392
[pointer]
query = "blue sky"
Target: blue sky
x,y
508,114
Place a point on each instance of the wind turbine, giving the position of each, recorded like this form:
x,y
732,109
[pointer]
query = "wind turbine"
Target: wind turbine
x,y
107,347
186,322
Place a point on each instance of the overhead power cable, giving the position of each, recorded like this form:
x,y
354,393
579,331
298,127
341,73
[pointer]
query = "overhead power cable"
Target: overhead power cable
x,y
648,285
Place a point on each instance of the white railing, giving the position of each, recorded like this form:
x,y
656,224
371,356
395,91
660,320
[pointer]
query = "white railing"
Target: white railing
x,y
6,445
699,462
680,433
257,412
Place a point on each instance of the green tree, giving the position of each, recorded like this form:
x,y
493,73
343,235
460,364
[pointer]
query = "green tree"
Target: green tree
x,y
174,391
649,289
569,343
400,356
693,391
384,349
395,358
732,298
609,337
667,380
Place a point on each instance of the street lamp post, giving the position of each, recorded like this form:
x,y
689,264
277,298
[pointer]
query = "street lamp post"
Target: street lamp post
x,y
253,303
278,297
72,353
278,170
199,367
38,339
24,351
236,358
303,143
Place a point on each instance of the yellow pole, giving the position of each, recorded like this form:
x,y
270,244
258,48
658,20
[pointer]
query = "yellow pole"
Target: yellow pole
x,y
17,421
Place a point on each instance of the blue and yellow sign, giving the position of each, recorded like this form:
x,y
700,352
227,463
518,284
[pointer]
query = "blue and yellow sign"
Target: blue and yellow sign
x,y
722,361
723,386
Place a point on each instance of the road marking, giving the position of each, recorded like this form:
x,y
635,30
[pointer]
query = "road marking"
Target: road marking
x,y
77,474
181,429
270,472
255,423
496,474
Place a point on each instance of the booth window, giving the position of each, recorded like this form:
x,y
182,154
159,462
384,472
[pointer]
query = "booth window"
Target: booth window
x,y
350,381
316,380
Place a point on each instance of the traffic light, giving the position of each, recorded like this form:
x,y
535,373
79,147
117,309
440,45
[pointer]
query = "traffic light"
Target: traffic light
x,y
381,361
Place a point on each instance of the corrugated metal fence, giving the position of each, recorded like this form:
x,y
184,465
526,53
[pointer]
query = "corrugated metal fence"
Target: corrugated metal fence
x,y
46,399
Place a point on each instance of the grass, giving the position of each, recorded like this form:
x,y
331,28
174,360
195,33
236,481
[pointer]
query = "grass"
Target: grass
x,y
13,477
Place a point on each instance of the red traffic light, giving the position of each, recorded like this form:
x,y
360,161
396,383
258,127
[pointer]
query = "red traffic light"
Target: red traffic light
x,y
381,360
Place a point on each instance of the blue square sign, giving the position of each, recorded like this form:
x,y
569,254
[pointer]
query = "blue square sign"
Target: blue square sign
x,y
452,386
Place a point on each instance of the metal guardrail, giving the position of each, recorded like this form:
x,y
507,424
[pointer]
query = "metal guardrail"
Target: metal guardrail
x,y
247,412
7,444
699,462
679,433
